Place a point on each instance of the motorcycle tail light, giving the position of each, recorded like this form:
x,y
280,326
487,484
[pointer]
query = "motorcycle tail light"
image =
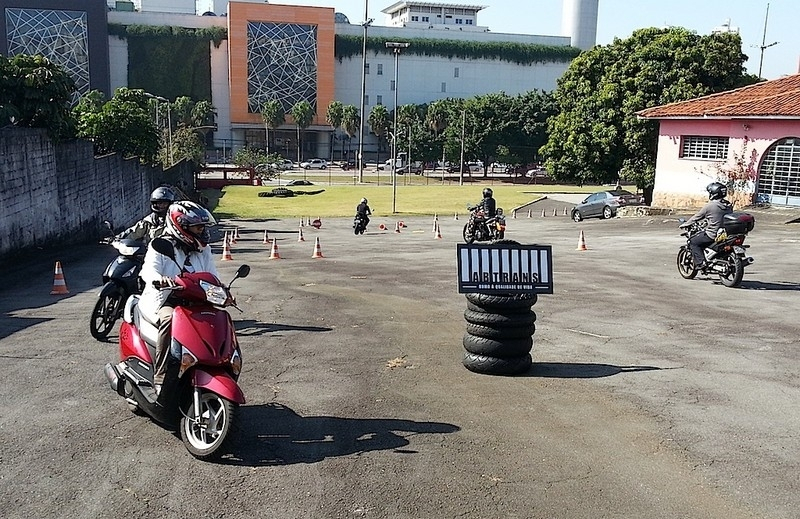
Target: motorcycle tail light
x,y
187,361
738,240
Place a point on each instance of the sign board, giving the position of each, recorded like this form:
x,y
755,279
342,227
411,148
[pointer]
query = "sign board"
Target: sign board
x,y
505,268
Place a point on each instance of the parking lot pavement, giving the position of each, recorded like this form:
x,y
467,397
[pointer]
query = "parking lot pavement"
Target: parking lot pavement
x,y
650,395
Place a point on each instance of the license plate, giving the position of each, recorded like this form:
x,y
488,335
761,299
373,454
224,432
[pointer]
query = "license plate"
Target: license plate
x,y
738,250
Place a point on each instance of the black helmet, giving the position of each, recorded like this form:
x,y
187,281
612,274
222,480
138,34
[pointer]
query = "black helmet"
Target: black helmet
x,y
160,199
716,191
487,193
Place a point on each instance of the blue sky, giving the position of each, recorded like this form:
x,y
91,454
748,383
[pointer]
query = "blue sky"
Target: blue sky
x,y
619,18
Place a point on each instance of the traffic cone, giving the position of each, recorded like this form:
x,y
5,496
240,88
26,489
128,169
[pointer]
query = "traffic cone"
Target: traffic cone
x,y
581,242
438,233
273,253
397,227
317,249
455,217
236,229
382,227
302,224
300,235
231,237
555,213
266,237
59,285
514,214
565,211
435,222
529,213
226,251
543,215
402,224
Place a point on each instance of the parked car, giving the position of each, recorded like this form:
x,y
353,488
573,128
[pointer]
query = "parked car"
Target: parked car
x,y
350,164
604,204
314,164
299,182
415,168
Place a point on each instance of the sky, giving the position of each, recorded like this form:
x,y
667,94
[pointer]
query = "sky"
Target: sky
x,y
619,18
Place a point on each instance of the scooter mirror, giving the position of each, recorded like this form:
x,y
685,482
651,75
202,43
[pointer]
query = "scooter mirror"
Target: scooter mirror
x,y
164,247
243,271
107,224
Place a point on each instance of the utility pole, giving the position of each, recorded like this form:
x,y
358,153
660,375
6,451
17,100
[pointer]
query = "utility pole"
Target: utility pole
x,y
763,47
360,158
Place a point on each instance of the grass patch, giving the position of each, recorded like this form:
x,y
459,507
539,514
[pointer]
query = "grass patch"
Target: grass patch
x,y
338,200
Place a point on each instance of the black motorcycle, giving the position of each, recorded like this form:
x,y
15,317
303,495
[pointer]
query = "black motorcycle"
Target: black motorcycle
x,y
360,224
726,257
481,228
120,280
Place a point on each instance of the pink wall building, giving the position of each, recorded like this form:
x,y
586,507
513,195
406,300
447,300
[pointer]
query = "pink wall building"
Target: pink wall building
x,y
748,138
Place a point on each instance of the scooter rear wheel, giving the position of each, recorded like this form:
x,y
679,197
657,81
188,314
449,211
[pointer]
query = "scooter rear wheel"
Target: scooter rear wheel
x,y
207,437
104,315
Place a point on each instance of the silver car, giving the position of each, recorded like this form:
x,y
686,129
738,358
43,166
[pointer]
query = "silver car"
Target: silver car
x,y
604,204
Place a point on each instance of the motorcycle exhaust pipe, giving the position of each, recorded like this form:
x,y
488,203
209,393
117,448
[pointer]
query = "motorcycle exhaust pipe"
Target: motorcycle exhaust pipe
x,y
113,377
749,261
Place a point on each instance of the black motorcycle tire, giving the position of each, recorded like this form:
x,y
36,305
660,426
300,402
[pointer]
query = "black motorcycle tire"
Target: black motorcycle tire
x,y
503,310
469,234
685,262
500,332
735,270
497,366
500,320
203,443
105,314
501,348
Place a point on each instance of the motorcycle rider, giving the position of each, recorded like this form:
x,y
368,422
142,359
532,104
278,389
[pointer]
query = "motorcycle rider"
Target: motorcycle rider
x,y
363,211
488,203
152,225
713,212
187,228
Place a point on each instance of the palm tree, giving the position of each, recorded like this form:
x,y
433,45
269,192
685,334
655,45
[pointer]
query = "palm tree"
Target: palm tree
x,y
379,124
273,115
333,116
436,118
303,114
351,122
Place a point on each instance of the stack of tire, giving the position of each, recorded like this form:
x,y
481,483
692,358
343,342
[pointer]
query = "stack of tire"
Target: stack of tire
x,y
499,335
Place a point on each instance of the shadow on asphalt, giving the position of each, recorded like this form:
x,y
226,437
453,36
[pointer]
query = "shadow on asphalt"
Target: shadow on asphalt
x,y
581,370
761,285
250,328
273,434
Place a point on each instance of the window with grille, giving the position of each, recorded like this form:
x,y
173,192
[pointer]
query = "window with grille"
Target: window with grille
x,y
455,72
391,85
380,69
379,99
704,147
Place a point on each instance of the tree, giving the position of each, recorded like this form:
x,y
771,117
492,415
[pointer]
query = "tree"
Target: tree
x,y
122,125
302,113
36,93
351,122
379,124
596,136
273,115
333,116
436,119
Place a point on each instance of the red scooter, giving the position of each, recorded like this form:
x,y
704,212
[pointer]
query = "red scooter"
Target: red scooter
x,y
200,395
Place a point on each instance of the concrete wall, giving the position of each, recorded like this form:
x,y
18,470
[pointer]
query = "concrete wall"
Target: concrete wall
x,y
52,194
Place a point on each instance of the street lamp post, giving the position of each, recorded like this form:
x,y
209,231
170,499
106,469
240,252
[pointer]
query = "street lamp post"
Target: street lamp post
x,y
367,22
169,121
396,47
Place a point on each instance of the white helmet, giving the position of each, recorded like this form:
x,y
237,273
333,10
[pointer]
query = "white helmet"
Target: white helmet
x,y
183,215
363,200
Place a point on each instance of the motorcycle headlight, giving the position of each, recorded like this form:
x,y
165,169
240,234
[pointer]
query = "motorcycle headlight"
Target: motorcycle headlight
x,y
236,362
125,250
187,361
215,294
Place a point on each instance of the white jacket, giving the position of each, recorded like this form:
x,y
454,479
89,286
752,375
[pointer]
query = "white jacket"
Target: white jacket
x,y
156,266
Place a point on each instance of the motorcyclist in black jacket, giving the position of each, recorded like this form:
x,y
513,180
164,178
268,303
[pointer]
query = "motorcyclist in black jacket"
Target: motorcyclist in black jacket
x,y
152,225
363,210
488,203
713,212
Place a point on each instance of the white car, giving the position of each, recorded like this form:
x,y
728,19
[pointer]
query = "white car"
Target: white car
x,y
314,164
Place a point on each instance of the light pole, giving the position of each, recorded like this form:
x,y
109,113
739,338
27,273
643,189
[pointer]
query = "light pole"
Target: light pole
x,y
396,47
169,121
367,22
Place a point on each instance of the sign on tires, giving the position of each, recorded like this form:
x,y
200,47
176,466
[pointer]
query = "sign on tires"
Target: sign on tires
x,y
505,268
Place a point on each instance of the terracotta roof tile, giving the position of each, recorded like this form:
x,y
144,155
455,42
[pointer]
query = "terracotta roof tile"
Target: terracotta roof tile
x,y
776,98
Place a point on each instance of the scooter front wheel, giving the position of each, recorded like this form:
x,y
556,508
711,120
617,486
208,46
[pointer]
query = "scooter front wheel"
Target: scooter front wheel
x,y
207,432
104,315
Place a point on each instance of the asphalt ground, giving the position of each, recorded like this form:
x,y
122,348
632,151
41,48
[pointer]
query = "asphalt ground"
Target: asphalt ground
x,y
650,396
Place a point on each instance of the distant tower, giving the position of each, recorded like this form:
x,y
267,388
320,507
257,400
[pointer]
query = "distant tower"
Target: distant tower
x,y
579,22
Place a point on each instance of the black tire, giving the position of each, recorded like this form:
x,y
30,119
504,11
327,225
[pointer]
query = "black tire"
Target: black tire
x,y
104,315
489,310
501,349
500,332
469,236
735,271
685,262
500,320
607,212
209,440
576,215
502,302
497,366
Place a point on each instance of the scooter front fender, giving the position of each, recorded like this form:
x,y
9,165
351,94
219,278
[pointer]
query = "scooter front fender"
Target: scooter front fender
x,y
218,381
113,287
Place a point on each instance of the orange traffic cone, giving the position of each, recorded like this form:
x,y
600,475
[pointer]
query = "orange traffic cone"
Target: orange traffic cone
x,y
435,222
231,237
455,217
236,231
302,224
565,211
226,251
59,285
300,235
382,227
555,213
402,224
438,233
397,227
317,249
581,242
514,214
273,254
266,237
529,213
543,215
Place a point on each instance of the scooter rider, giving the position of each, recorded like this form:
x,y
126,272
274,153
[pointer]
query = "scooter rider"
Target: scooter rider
x,y
713,212
488,203
363,211
152,225
186,228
